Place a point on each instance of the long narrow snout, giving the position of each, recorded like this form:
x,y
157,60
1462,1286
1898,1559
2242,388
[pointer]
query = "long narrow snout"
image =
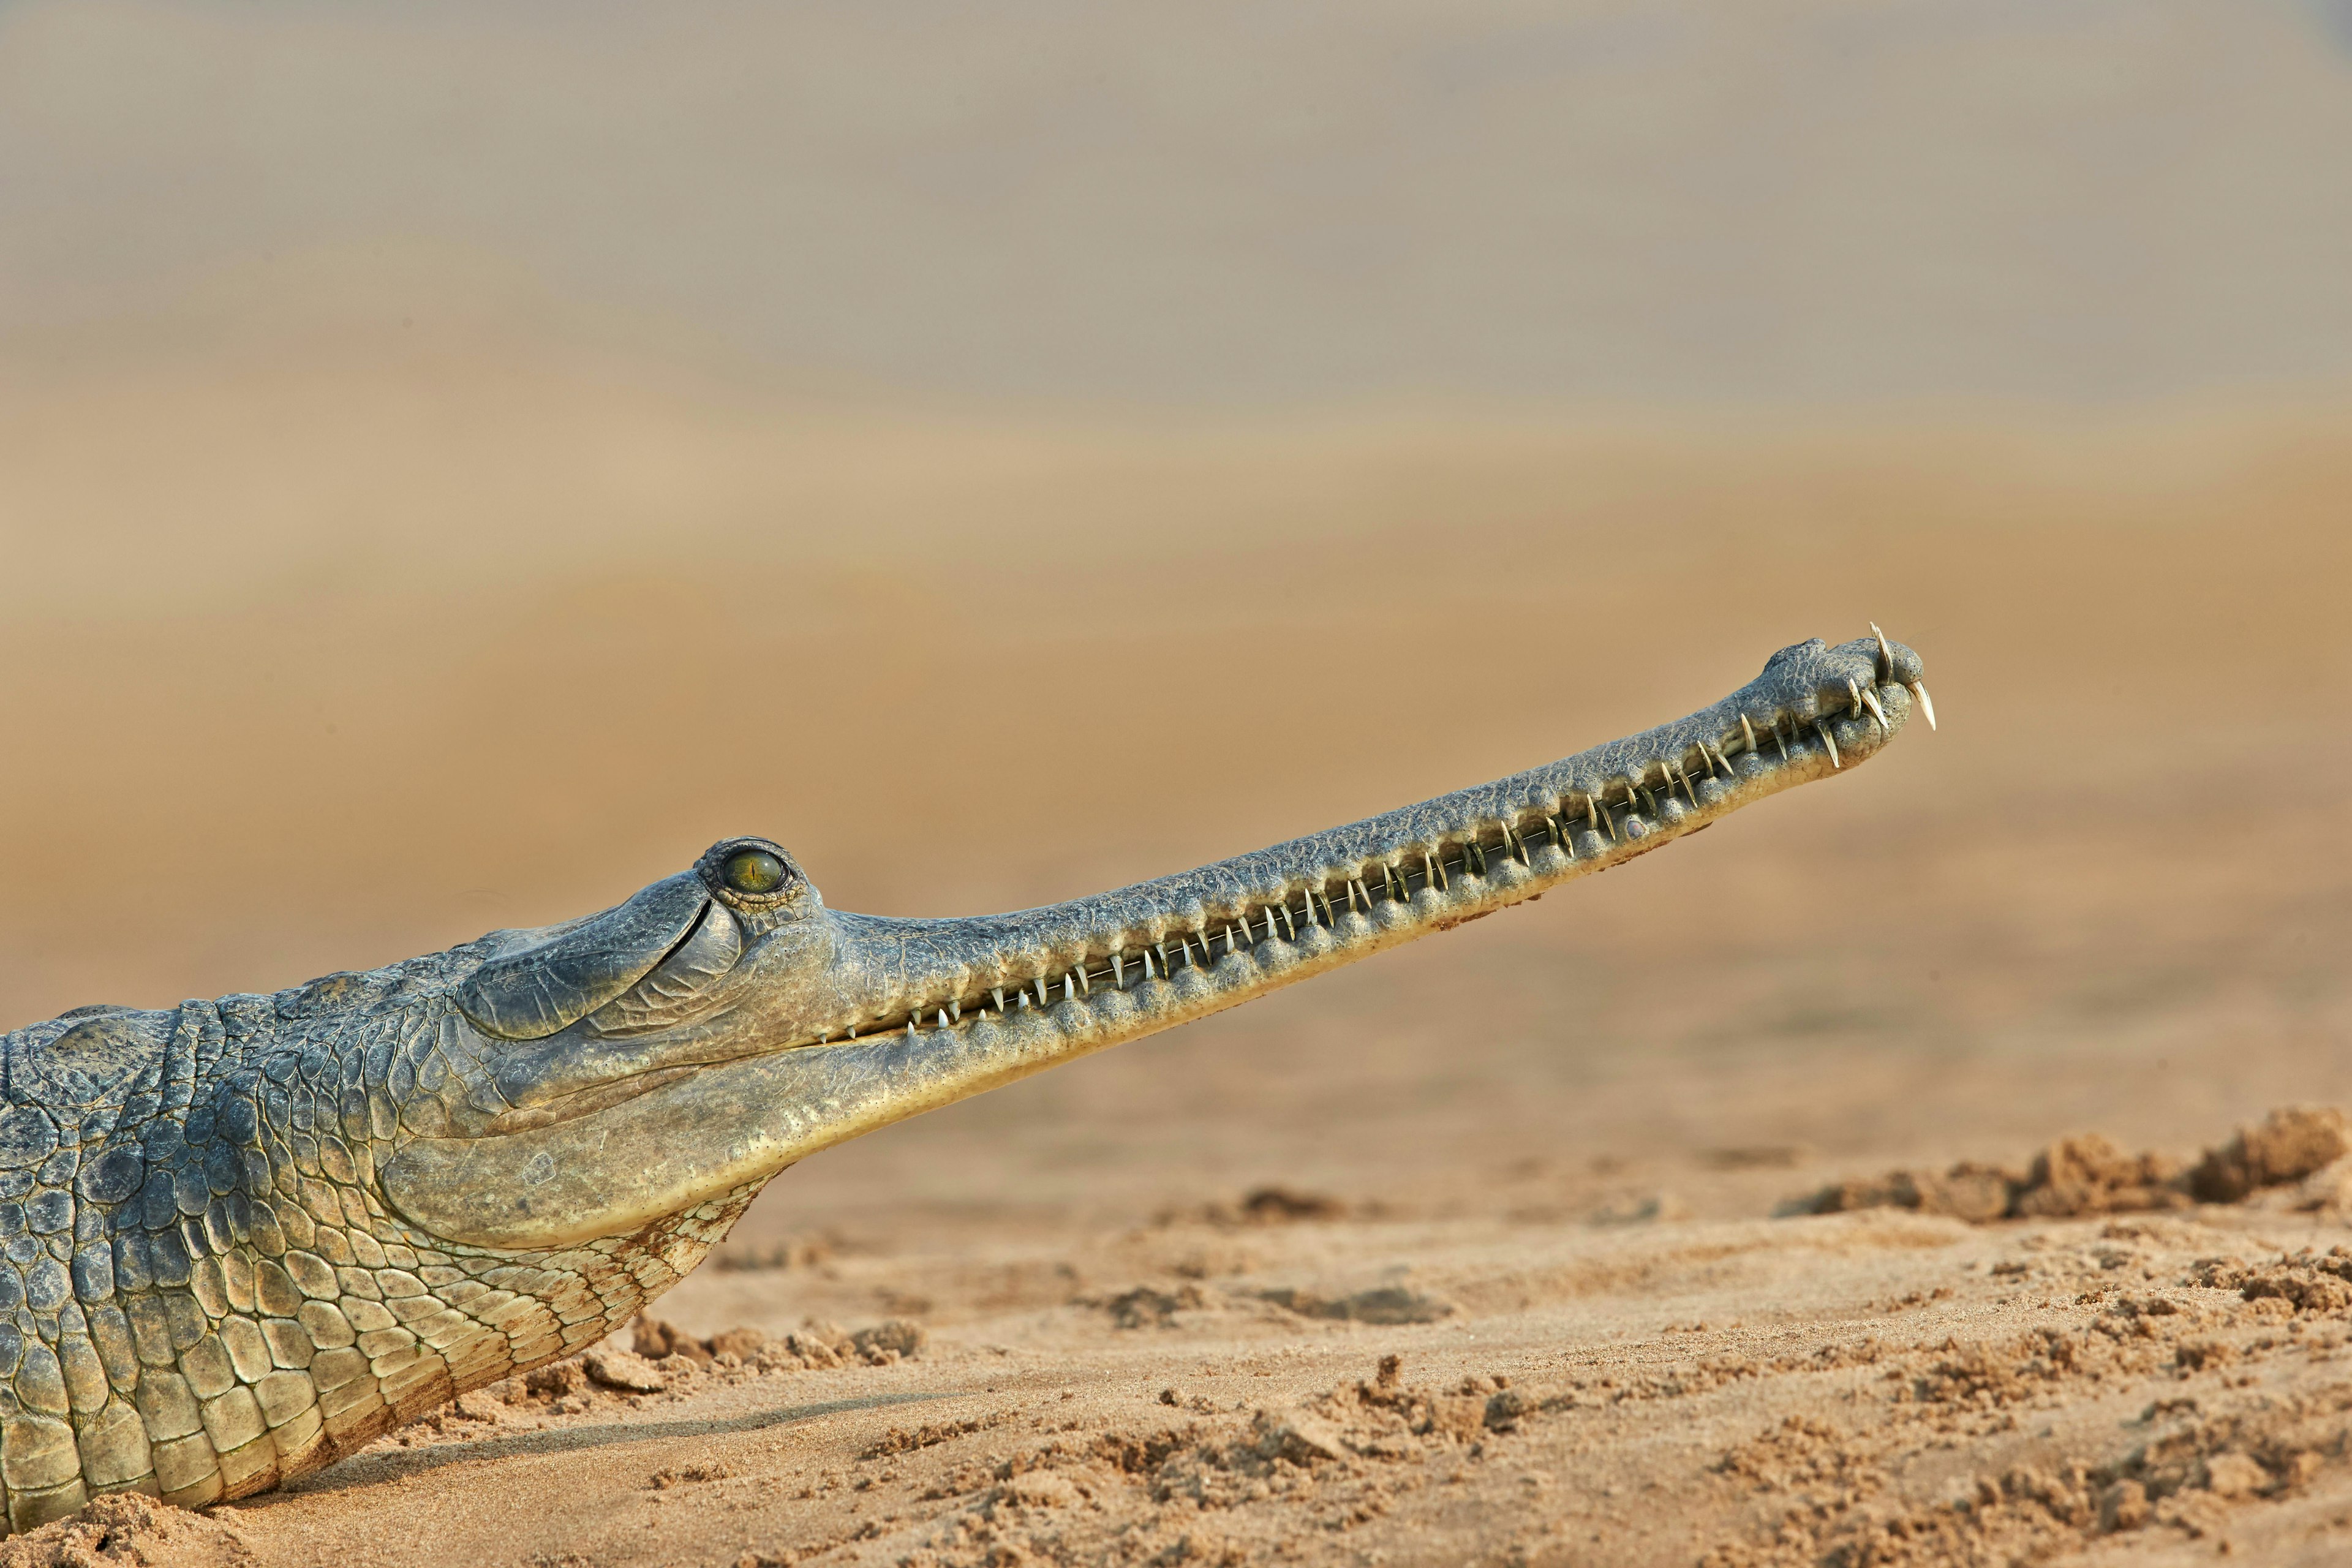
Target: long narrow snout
x,y
910,1014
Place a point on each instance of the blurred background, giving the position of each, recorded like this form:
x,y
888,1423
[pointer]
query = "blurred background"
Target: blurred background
x,y
456,461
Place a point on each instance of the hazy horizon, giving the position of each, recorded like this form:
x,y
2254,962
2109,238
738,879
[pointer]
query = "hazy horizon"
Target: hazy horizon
x,y
1824,202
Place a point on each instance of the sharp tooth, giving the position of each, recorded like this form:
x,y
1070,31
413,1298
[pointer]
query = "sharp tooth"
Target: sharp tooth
x,y
910,1028
955,1009
1592,813
1289,925
1429,873
1041,998
1926,709
1870,700
943,1017
1118,970
1069,988
1689,793
1749,730
1830,741
1779,738
998,991
1854,692
1886,654
852,1031
1146,963
1085,986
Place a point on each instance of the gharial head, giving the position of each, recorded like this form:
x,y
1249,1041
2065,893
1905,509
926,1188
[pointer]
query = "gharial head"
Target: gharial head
x,y
693,1041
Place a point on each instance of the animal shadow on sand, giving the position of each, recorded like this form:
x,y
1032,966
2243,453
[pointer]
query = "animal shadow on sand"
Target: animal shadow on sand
x,y
374,1468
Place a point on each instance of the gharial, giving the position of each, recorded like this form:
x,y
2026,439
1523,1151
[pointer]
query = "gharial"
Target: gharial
x,y
245,1236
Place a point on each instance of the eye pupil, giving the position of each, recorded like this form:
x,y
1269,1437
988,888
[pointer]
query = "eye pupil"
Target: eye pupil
x,y
753,872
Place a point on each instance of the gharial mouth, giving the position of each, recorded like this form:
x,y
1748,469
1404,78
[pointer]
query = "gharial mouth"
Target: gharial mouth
x,y
1647,789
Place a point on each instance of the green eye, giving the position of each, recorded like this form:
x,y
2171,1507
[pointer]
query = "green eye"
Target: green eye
x,y
755,872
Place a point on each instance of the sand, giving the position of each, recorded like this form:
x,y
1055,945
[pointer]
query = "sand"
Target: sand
x,y
1504,1248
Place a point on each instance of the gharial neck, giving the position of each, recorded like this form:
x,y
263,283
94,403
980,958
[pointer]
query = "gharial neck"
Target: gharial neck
x,y
921,1013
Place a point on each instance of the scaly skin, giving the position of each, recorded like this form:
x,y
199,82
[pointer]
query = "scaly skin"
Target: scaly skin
x,y
244,1237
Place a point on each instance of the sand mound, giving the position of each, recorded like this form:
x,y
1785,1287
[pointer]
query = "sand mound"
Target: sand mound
x,y
128,1529
2187,1463
2084,1173
1226,1486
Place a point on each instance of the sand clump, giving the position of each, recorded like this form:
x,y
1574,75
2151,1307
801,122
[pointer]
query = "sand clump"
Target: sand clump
x,y
2084,1173
1267,1206
1829,1488
1151,1307
656,1362
1387,1304
128,1529
816,1345
1222,1487
2187,1482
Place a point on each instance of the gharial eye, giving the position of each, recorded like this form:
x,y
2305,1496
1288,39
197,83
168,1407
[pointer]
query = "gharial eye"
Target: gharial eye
x,y
753,872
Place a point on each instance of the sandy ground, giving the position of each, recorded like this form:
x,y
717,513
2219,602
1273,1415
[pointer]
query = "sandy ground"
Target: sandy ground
x,y
567,639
